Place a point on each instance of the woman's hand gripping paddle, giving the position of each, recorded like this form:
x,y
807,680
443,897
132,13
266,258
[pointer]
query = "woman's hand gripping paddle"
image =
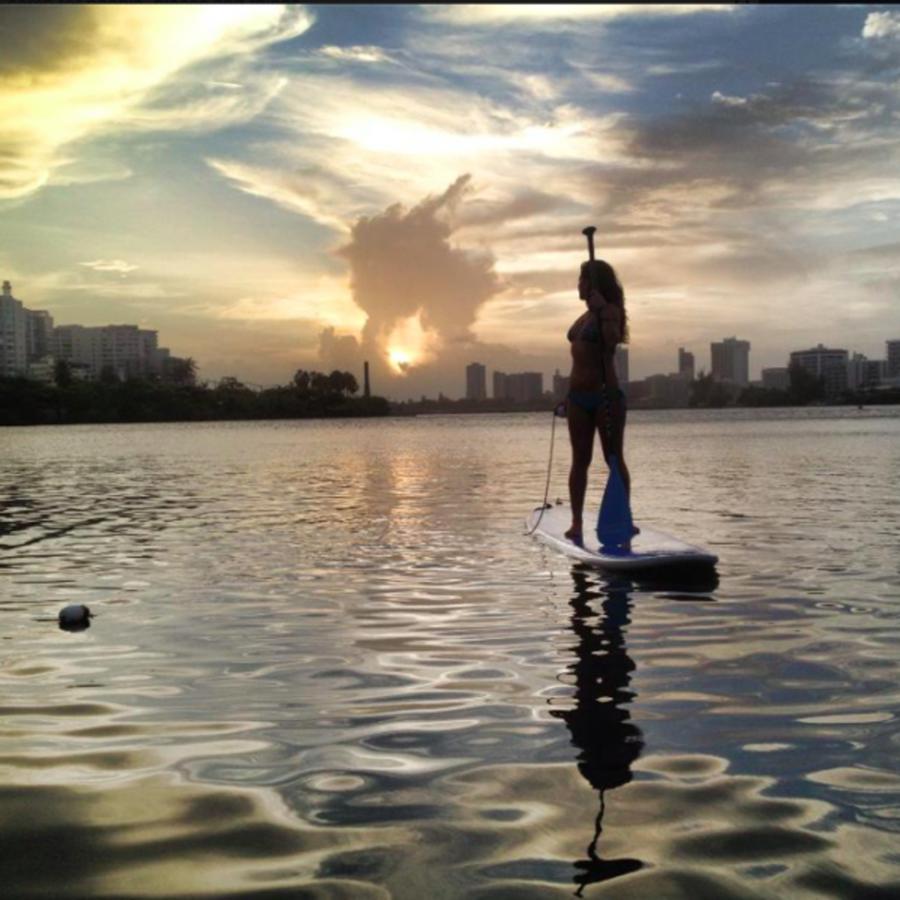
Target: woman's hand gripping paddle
x,y
615,526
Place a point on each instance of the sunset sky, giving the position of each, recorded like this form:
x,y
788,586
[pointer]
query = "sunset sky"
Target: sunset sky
x,y
273,187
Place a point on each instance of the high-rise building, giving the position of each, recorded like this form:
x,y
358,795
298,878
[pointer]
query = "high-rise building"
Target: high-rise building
x,y
38,333
892,357
776,378
685,364
863,372
519,387
476,382
829,365
560,385
13,334
126,350
620,361
731,360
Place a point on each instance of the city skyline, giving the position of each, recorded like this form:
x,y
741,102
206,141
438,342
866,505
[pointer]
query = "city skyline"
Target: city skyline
x,y
273,187
42,337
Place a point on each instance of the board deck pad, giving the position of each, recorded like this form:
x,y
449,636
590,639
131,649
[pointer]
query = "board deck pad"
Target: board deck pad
x,y
649,549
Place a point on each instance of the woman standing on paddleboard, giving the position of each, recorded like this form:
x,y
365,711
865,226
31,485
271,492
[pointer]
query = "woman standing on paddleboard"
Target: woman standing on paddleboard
x,y
595,401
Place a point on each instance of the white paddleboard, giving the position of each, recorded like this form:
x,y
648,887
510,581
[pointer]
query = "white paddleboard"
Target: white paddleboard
x,y
649,550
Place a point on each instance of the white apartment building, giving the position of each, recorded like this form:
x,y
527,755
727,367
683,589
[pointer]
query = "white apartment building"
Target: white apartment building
x,y
127,350
864,372
13,335
827,364
731,360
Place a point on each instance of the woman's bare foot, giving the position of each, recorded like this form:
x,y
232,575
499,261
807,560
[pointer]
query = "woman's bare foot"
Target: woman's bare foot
x,y
574,534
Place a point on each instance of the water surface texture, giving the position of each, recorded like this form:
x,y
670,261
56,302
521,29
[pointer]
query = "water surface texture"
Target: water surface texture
x,y
326,661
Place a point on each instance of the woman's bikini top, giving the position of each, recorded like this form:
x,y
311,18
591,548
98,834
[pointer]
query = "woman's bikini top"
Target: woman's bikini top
x,y
586,328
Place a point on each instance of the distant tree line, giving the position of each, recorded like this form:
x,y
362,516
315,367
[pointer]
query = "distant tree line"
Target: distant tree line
x,y
109,399
803,388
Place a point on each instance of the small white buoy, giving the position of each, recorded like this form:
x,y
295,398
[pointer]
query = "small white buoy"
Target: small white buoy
x,y
75,617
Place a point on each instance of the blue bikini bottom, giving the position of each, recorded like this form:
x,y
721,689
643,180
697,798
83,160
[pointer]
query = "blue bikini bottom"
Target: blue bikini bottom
x,y
591,401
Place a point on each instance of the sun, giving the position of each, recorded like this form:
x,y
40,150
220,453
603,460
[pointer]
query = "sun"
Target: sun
x,y
409,344
399,359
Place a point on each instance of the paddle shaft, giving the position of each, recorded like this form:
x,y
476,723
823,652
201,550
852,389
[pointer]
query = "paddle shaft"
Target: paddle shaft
x,y
589,234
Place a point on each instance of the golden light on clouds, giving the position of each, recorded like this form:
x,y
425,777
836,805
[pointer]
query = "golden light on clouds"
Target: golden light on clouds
x,y
118,55
325,300
409,344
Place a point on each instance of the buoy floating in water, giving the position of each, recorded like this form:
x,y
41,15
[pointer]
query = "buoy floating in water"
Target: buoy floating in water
x,y
76,617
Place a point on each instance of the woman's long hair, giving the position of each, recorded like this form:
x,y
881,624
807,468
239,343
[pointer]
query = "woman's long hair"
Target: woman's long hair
x,y
603,277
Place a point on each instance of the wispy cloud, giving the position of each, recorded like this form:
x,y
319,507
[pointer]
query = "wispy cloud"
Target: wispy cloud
x,y
109,61
491,13
110,265
359,54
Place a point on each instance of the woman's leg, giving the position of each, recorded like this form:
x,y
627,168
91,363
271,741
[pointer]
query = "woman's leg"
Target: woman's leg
x,y
613,439
581,434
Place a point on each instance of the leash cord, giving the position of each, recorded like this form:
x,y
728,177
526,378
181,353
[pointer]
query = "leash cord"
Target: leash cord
x,y
545,505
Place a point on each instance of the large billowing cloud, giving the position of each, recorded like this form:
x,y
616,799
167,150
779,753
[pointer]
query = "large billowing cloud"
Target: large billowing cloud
x,y
420,291
402,264
67,73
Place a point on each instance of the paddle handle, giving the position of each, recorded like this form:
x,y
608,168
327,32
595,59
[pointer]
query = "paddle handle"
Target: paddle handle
x,y
589,234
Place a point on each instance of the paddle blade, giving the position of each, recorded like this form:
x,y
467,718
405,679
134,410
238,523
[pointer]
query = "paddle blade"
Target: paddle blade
x,y
614,524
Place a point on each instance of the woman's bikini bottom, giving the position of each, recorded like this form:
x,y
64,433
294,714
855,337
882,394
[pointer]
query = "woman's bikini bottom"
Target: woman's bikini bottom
x,y
591,401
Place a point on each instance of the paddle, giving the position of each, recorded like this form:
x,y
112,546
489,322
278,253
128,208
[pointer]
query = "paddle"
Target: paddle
x,y
614,523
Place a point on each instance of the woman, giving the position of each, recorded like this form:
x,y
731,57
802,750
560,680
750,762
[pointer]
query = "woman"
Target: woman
x,y
595,400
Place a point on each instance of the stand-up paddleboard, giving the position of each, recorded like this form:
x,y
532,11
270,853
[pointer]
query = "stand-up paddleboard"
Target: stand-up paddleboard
x,y
647,550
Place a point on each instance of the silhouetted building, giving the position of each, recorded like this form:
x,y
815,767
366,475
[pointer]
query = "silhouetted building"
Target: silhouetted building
x,y
13,334
366,392
685,364
893,359
667,391
476,382
560,386
827,364
620,361
776,378
518,387
863,372
38,333
730,360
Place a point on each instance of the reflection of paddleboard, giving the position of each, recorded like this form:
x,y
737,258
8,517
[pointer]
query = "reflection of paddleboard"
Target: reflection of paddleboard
x,y
649,549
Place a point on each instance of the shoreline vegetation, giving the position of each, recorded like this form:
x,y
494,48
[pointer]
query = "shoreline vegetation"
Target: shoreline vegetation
x,y
111,400
314,395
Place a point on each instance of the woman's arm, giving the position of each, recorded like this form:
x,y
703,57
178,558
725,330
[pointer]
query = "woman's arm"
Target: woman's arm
x,y
609,317
611,323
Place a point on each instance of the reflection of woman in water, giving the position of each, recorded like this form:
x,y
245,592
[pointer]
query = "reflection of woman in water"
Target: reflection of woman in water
x,y
600,722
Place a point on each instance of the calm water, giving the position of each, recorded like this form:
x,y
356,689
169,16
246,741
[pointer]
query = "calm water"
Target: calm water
x,y
327,662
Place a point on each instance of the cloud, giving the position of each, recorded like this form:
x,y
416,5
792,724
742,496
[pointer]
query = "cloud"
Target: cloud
x,y
727,100
73,72
110,265
310,190
361,54
348,145
494,14
882,25
403,266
